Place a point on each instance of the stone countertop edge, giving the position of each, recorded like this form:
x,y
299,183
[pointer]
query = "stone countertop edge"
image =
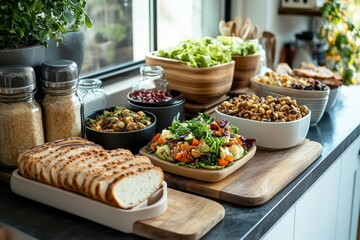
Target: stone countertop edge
x,y
336,131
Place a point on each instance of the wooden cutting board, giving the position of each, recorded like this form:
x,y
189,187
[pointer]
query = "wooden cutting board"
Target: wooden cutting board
x,y
187,217
258,180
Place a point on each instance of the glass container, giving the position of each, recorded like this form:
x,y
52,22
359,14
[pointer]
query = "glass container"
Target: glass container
x,y
21,125
151,77
62,105
305,49
92,96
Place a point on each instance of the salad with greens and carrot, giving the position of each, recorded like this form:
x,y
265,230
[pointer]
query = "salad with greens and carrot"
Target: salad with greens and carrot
x,y
201,142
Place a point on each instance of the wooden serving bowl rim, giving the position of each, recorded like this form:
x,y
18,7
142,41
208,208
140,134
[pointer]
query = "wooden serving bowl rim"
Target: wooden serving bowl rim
x,y
247,56
152,55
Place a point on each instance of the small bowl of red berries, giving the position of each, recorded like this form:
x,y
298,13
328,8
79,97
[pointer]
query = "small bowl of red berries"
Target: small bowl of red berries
x,y
155,97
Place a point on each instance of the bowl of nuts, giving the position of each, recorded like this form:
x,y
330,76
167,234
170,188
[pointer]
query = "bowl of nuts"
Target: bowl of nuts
x,y
305,91
275,122
120,127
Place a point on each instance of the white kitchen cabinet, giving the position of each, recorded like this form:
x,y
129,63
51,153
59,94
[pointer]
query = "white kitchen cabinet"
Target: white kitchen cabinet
x,y
315,213
284,229
349,197
330,208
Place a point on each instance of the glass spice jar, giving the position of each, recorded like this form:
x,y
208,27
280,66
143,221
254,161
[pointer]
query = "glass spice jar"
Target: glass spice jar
x,y
62,106
151,87
21,125
151,77
92,96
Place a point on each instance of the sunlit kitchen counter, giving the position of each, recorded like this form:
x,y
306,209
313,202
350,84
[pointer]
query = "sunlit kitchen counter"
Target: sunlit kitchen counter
x,y
336,132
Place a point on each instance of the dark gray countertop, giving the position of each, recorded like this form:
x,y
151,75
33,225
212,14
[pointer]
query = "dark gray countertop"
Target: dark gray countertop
x,y
336,131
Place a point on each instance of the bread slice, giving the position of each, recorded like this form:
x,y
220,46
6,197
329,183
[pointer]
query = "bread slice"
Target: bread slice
x,y
29,156
131,189
63,152
32,160
74,170
80,176
99,183
67,169
68,159
103,170
284,68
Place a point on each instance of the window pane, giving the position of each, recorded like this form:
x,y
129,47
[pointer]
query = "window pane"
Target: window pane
x,y
121,29
114,39
179,20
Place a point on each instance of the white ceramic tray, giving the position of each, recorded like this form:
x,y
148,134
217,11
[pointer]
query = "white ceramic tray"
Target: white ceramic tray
x,y
117,218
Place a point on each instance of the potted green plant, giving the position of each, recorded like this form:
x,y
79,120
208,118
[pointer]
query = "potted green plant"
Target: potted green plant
x,y
27,26
343,38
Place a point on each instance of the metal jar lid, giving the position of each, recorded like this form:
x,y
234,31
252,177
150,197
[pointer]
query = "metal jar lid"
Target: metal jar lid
x,y
17,79
59,74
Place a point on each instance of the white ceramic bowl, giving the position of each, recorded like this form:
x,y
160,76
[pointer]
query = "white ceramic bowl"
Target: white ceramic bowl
x,y
290,91
333,96
270,135
316,101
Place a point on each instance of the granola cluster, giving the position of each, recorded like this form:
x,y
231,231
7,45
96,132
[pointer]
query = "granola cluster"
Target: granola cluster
x,y
269,109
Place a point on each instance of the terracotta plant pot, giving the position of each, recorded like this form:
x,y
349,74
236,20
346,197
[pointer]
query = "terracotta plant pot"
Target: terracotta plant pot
x,y
246,67
200,85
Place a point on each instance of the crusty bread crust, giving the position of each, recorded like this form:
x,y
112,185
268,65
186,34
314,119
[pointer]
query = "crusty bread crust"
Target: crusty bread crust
x,y
84,167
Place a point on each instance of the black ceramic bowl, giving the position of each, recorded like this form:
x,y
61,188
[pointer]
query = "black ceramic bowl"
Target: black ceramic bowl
x,y
132,140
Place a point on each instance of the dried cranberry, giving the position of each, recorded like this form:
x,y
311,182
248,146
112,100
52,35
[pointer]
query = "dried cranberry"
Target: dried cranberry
x,y
151,96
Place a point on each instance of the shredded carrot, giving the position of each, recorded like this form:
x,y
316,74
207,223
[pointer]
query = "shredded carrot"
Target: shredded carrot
x,y
195,142
184,157
178,156
239,141
161,140
156,137
230,143
229,158
222,162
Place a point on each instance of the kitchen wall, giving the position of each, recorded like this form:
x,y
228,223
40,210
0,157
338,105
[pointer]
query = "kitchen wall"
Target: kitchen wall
x,y
264,13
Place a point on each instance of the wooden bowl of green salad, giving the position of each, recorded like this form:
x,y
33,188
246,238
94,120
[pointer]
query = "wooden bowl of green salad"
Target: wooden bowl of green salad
x,y
202,70
247,60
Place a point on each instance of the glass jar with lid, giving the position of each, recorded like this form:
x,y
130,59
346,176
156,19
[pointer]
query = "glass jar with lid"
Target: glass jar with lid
x,y
92,96
62,106
21,125
151,77
151,87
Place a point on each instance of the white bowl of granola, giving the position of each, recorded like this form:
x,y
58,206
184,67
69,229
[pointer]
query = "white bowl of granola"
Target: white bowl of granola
x,y
272,129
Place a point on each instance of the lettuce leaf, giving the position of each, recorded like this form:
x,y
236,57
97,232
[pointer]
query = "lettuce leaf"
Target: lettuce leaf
x,y
198,53
238,46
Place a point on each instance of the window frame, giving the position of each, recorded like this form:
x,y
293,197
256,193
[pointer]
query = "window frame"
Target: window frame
x,y
129,69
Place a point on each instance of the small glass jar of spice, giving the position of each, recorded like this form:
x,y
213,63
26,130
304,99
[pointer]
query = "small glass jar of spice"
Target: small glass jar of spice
x,y
62,105
21,125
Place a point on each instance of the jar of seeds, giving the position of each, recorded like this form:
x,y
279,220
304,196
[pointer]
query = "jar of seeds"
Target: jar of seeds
x,y
62,106
21,125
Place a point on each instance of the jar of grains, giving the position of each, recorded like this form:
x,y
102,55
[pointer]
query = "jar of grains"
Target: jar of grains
x,y
61,104
21,124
